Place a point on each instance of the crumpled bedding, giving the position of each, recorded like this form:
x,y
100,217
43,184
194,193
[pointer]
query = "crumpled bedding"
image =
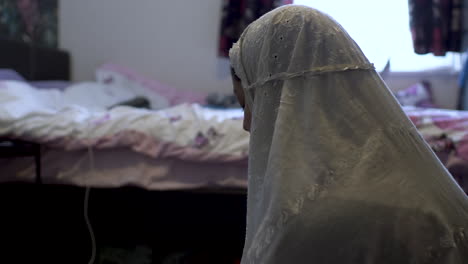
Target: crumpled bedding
x,y
79,119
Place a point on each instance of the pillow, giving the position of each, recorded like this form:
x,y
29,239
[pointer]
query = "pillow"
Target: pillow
x,y
114,76
419,95
10,75
155,92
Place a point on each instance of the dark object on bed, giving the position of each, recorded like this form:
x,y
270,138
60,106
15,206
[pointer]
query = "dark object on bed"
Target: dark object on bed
x,y
138,102
34,62
222,101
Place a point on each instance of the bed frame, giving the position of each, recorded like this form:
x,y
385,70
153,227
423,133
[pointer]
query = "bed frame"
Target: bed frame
x,y
35,63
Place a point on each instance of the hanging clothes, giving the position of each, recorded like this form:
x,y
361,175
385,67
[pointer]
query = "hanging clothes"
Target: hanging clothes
x,y
436,26
237,14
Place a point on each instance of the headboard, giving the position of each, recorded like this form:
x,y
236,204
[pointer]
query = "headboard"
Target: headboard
x,y
33,62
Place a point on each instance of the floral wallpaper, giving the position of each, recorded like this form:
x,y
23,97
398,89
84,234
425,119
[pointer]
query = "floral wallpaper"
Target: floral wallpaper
x,y
33,21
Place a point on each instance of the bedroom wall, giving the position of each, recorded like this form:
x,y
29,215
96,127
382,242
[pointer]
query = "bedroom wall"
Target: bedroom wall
x,y
172,41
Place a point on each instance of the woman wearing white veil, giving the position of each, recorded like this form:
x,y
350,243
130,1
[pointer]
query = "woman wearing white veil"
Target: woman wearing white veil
x,y
337,172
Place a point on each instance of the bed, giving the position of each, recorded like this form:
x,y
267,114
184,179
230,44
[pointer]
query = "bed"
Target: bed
x,y
196,143
182,146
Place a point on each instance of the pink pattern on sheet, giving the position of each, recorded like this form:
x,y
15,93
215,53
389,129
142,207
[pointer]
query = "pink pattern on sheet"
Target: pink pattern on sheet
x,y
446,131
103,119
145,144
448,122
462,147
417,120
200,141
174,119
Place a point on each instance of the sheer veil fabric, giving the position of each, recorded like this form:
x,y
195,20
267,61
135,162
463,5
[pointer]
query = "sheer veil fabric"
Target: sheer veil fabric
x,y
337,172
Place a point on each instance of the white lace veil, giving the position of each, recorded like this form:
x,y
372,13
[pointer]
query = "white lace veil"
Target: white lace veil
x,y
337,172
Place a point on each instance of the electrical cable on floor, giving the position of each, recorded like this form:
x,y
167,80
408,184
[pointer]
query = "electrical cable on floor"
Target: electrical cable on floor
x,y
86,212
90,228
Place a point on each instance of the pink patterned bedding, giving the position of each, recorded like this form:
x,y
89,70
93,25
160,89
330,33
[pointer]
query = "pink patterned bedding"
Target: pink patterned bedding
x,y
446,131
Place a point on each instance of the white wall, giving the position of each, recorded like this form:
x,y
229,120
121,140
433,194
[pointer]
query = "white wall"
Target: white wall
x,y
173,41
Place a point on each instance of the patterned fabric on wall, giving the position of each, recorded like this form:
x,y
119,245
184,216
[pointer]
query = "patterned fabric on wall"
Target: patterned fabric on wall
x,y
30,21
237,15
436,26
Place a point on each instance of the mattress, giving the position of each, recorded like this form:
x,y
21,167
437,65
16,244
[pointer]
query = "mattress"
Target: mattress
x,y
111,168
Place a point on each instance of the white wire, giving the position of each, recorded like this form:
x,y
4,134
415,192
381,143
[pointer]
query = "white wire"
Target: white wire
x,y
86,212
89,226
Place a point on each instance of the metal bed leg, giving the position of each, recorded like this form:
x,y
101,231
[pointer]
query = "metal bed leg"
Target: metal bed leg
x,y
37,160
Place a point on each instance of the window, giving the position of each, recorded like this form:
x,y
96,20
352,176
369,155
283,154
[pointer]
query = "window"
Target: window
x,y
381,29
